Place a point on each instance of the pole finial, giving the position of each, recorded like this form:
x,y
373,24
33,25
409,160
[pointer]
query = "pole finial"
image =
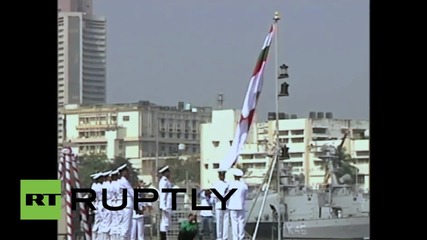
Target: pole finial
x,y
276,16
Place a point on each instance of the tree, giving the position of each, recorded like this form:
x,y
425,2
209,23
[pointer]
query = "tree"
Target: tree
x,y
118,161
343,164
179,169
89,164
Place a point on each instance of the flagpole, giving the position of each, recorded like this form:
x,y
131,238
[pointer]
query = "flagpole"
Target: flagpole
x,y
276,63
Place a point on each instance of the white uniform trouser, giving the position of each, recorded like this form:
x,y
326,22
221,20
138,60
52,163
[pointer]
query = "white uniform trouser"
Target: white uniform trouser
x,y
137,230
125,223
166,219
104,226
97,221
95,226
116,218
238,224
222,218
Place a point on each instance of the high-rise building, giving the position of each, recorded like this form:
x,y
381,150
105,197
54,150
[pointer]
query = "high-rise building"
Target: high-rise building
x,y
81,56
85,6
81,59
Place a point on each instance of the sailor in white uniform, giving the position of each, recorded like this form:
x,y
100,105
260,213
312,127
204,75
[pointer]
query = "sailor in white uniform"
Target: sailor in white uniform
x,y
236,205
222,217
165,202
126,219
137,230
104,226
207,216
96,186
115,215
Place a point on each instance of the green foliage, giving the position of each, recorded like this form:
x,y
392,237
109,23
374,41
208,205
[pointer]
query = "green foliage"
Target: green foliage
x,y
118,161
343,165
89,164
179,168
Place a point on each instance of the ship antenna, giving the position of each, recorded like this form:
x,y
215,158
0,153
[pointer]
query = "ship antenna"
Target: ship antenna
x,y
220,101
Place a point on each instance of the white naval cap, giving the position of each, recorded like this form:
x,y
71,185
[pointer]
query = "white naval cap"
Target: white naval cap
x,y
238,172
122,167
95,175
163,169
222,170
105,174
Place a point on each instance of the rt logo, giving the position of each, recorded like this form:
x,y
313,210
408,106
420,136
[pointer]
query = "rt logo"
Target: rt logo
x,y
40,199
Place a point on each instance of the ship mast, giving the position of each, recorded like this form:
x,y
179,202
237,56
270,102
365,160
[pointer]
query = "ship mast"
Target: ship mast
x,y
276,19
281,91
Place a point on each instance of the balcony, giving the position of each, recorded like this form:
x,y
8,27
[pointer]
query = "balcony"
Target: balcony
x,y
132,139
88,140
96,126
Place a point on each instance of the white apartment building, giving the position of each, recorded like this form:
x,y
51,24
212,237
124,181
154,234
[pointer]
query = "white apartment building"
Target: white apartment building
x,y
81,56
303,136
134,130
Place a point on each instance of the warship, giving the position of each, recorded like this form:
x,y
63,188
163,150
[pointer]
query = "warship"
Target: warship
x,y
337,212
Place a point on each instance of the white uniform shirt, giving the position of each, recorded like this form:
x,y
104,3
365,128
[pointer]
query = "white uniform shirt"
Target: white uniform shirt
x,y
165,198
238,199
221,187
206,201
125,184
141,205
97,188
109,187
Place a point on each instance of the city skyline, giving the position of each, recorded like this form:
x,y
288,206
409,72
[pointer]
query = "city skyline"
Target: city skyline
x,y
187,46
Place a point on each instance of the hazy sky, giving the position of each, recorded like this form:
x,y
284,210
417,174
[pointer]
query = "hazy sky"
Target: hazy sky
x,y
190,50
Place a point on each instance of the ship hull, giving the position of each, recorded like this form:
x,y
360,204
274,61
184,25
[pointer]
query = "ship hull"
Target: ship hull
x,y
342,228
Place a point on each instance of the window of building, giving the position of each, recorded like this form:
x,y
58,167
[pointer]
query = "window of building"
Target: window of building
x,y
296,155
215,143
297,132
297,140
126,118
362,153
362,161
215,165
178,135
170,135
361,178
254,165
296,164
186,136
319,130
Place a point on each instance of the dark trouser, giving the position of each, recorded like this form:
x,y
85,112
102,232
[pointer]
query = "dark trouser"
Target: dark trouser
x,y
207,226
187,235
163,236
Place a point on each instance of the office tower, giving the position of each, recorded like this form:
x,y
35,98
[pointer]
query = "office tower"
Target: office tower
x,y
81,56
